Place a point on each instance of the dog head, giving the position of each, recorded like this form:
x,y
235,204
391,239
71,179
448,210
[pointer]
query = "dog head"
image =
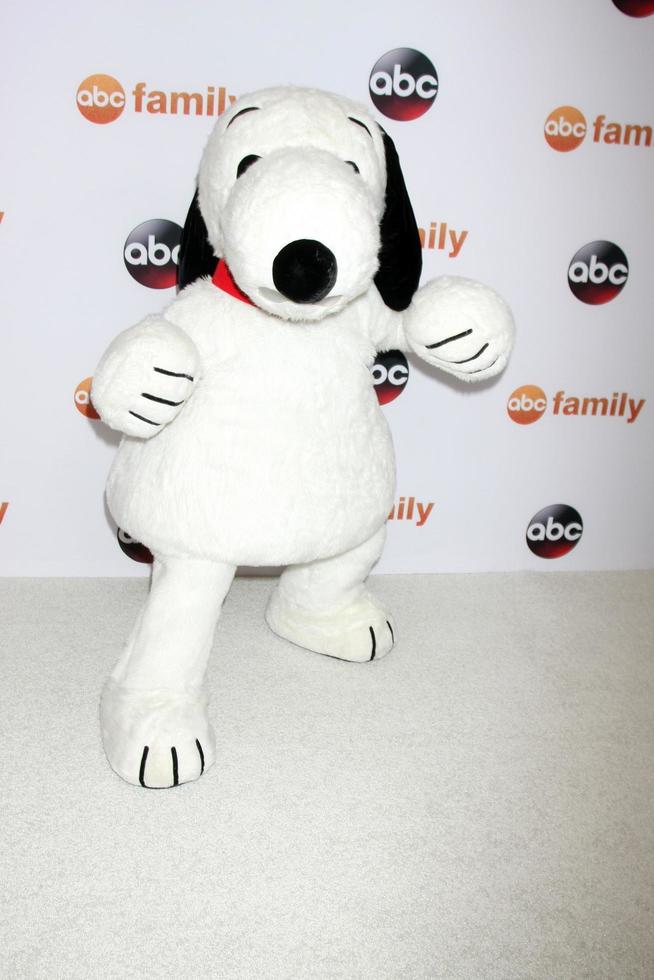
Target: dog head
x,y
302,194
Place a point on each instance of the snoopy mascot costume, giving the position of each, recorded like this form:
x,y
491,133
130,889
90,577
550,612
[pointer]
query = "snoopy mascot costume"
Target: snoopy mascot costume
x,y
252,434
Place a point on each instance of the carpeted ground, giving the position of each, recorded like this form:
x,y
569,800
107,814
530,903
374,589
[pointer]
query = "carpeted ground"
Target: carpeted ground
x,y
478,805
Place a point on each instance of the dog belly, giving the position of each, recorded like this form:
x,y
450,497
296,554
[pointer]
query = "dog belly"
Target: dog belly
x,y
255,481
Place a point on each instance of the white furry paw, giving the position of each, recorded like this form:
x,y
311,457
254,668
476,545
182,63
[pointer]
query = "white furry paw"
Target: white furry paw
x,y
361,632
145,377
156,739
460,326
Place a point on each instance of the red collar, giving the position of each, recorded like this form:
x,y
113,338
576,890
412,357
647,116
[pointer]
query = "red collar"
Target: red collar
x,y
223,278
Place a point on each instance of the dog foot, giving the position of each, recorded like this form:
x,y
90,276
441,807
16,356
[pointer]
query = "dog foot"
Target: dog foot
x,y
360,632
155,739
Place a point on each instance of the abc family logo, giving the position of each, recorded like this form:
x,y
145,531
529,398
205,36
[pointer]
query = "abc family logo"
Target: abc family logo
x,y
82,398
403,84
635,8
101,99
133,549
151,253
554,531
529,403
566,129
598,272
390,373
439,236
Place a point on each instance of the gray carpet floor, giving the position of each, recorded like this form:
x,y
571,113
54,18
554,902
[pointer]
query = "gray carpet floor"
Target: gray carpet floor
x,y
478,805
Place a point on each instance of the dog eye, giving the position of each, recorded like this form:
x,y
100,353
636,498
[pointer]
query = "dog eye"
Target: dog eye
x,y
245,163
353,165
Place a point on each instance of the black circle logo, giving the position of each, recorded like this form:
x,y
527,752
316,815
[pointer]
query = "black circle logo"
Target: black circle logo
x,y
635,8
151,253
390,373
554,531
598,272
132,548
403,84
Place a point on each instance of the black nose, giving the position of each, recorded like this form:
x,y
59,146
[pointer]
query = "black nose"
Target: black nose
x,y
304,271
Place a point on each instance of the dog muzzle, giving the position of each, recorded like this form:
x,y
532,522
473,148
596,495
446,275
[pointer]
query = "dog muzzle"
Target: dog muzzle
x,y
300,233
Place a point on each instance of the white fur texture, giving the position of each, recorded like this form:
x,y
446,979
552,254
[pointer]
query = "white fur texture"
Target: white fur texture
x,y
253,434
283,403
130,377
324,606
265,212
287,119
461,327
281,455
155,699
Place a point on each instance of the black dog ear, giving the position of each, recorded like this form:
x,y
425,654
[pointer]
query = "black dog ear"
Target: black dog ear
x,y
196,256
400,255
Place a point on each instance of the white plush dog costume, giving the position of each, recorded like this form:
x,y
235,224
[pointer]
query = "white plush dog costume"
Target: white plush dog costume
x,y
253,434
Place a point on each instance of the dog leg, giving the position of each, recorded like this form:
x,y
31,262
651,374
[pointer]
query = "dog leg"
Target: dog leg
x,y
153,710
324,606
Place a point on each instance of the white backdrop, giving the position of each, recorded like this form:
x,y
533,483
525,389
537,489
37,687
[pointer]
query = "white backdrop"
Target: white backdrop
x,y
72,190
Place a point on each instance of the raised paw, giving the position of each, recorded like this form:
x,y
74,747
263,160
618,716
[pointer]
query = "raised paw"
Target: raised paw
x,y
461,327
145,378
155,739
360,632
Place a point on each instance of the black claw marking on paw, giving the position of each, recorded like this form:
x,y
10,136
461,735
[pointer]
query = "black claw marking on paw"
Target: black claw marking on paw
x,y
174,374
474,356
374,643
479,370
142,769
201,756
160,401
391,629
173,752
448,340
143,418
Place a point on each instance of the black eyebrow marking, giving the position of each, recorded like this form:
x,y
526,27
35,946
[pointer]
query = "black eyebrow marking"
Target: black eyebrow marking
x,y
359,123
241,112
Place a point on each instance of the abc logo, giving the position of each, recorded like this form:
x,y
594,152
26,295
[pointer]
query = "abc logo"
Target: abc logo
x,y
554,531
597,272
635,8
132,548
100,98
403,84
83,402
151,253
565,128
390,373
526,404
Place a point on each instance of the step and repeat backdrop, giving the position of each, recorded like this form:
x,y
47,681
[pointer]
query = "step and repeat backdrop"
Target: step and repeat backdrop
x,y
526,138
